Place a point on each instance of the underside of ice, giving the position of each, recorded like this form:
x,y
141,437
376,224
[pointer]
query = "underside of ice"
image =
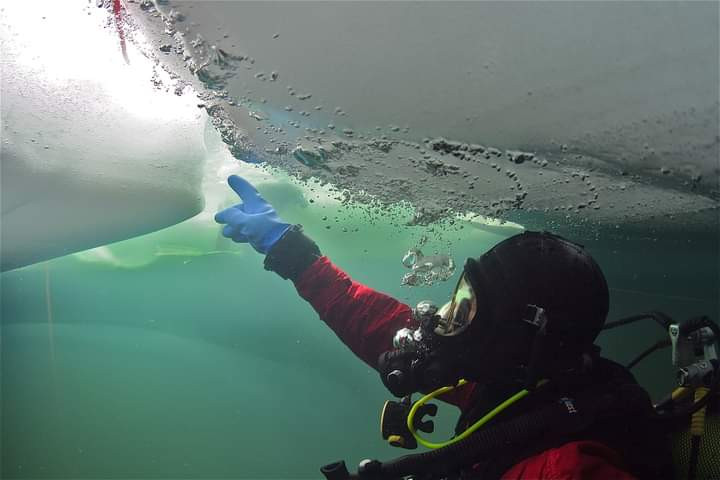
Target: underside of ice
x,y
605,112
594,113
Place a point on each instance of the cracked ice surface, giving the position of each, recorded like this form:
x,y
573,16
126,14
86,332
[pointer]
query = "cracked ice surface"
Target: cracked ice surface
x,y
602,113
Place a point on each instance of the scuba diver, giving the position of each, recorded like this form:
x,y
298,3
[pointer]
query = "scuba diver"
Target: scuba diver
x,y
513,349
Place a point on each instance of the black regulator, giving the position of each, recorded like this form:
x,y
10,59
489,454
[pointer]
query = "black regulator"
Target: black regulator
x,y
420,360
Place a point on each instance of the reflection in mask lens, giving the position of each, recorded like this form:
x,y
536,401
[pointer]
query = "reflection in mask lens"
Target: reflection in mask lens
x,y
457,315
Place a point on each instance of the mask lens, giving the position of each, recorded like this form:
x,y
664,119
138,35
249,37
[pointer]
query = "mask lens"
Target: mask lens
x,y
458,314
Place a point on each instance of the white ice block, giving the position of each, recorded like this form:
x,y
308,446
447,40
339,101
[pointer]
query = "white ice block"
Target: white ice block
x,y
93,151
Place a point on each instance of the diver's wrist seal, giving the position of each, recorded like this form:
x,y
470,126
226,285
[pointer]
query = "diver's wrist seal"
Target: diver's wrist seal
x,y
290,256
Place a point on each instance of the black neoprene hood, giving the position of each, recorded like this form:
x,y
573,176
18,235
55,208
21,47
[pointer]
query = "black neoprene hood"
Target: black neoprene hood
x,y
540,269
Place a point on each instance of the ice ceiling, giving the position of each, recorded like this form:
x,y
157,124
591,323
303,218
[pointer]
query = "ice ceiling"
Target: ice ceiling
x,y
604,113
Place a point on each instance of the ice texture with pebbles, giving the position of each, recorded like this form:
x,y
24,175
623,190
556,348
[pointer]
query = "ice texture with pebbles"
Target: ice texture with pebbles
x,y
601,177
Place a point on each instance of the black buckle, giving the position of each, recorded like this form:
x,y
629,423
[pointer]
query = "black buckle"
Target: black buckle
x,y
535,316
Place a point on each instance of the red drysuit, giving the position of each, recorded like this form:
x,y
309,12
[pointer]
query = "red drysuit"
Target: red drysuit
x,y
366,321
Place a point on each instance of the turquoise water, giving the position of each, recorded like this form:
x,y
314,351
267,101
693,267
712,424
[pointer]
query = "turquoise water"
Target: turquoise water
x,y
175,355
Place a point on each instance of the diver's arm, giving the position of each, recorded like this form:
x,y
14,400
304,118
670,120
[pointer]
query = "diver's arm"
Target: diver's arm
x,y
364,319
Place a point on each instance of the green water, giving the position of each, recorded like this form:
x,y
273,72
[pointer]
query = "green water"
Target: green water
x,y
175,355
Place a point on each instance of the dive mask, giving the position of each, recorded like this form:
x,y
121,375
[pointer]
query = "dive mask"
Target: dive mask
x,y
456,316
451,319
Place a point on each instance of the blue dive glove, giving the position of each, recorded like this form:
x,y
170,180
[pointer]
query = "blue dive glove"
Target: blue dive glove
x,y
253,221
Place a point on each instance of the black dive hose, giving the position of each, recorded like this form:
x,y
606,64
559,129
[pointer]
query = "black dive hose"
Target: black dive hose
x,y
656,346
662,319
571,416
691,325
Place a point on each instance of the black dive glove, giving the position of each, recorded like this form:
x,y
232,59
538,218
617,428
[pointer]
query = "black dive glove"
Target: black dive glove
x,y
292,254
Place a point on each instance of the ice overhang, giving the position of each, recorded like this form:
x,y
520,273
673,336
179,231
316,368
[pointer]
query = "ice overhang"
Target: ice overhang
x,y
600,111
92,150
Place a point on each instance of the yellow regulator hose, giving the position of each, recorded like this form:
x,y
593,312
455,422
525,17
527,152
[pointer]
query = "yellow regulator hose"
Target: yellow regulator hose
x,y
489,416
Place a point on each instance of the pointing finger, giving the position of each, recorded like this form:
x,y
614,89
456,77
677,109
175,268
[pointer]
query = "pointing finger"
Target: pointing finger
x,y
245,191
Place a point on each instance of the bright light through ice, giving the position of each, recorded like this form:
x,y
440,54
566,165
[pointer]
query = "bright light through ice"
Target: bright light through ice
x,y
71,43
92,144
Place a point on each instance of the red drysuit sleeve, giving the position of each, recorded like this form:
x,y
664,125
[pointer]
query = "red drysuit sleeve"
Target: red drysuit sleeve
x,y
364,319
583,460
